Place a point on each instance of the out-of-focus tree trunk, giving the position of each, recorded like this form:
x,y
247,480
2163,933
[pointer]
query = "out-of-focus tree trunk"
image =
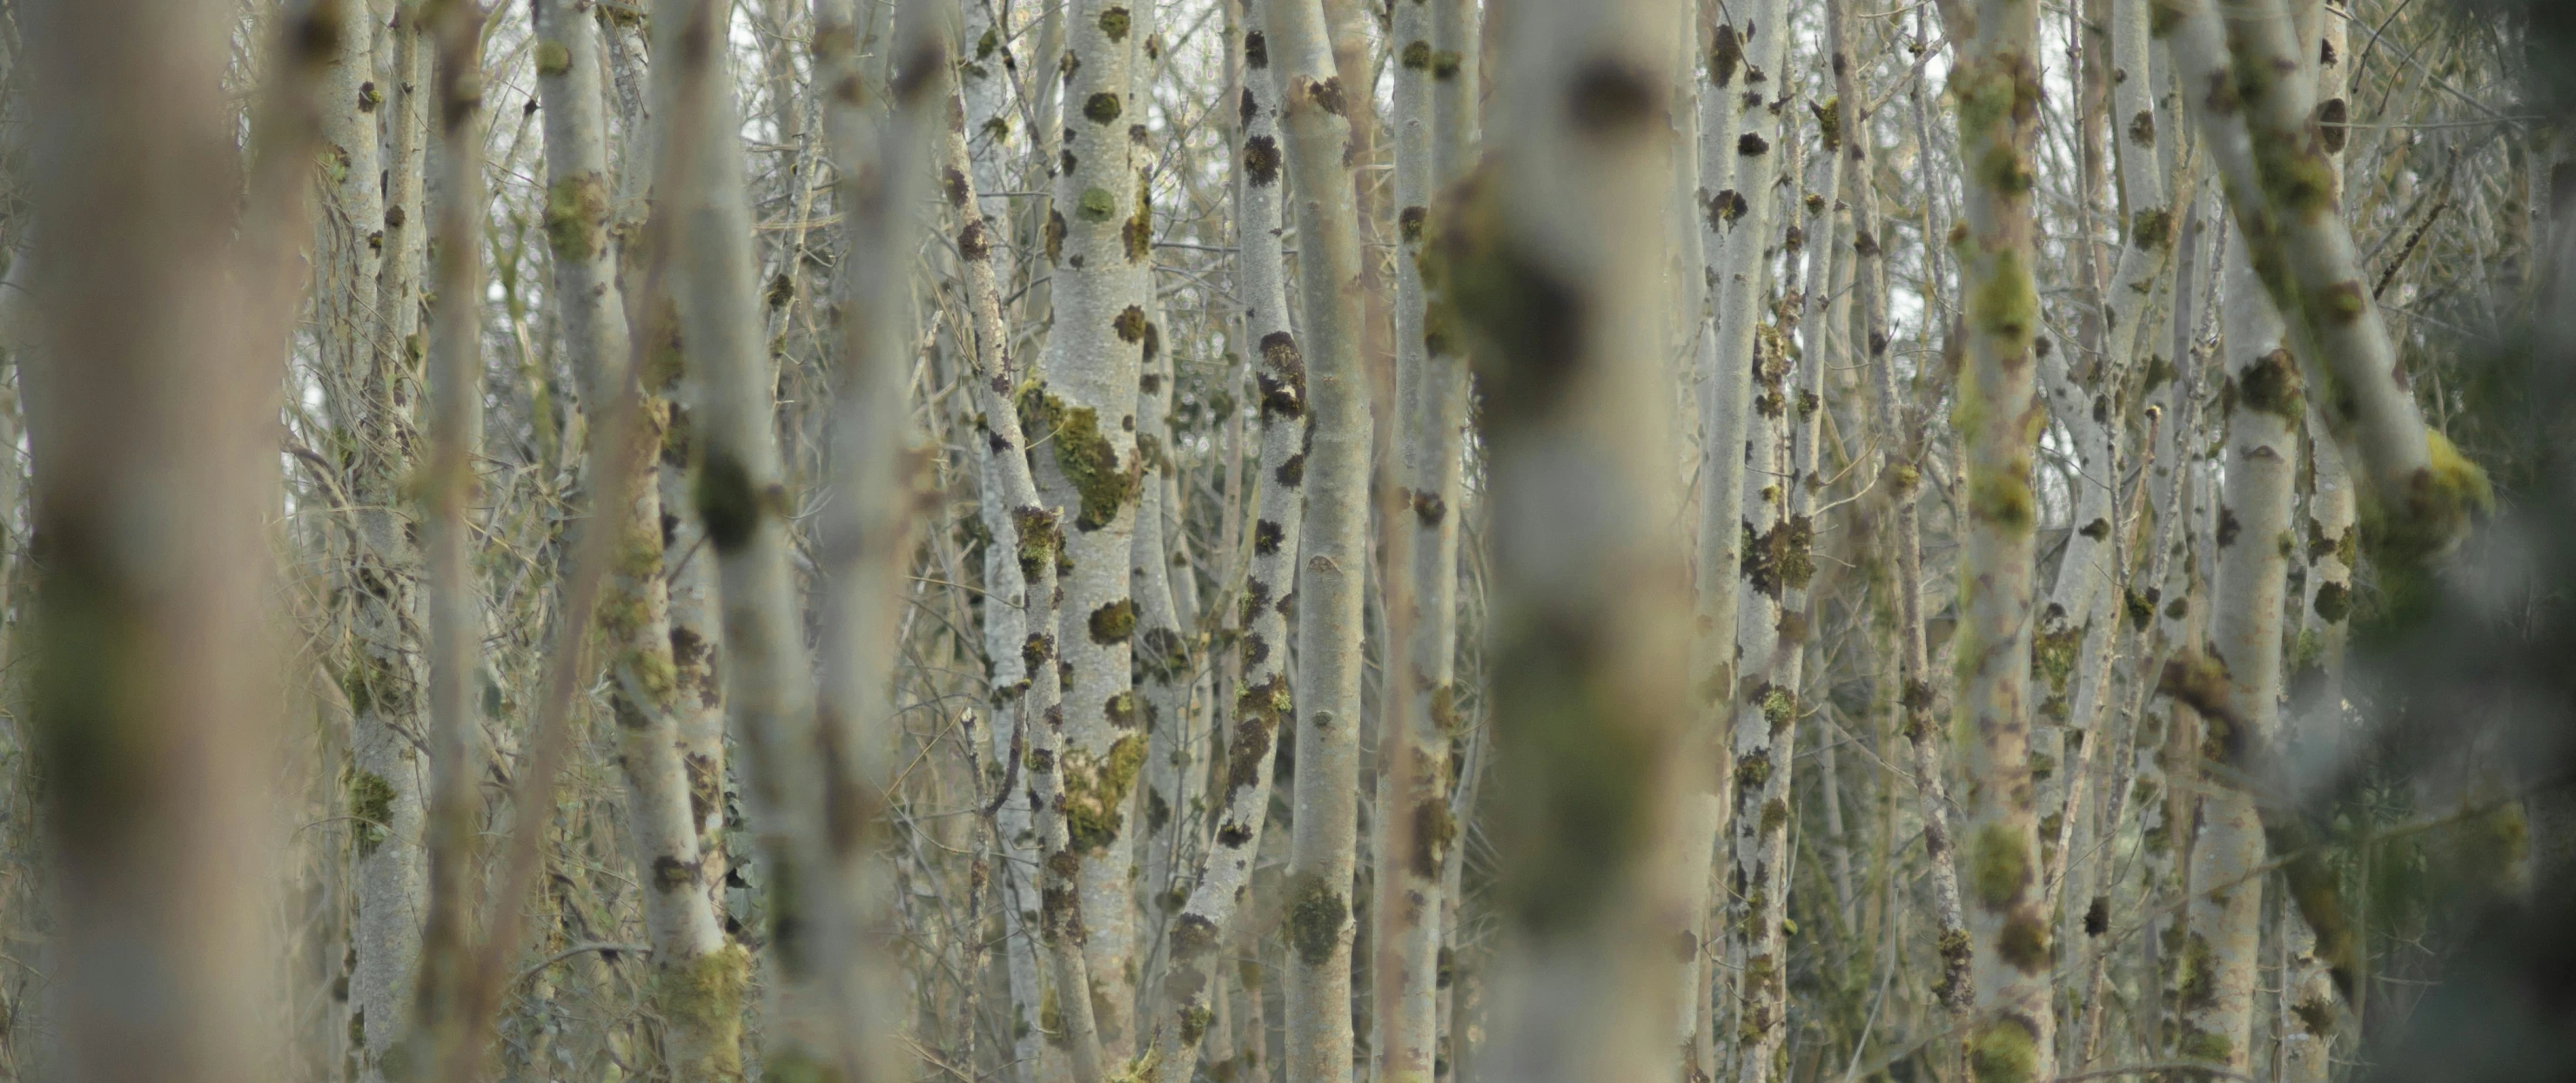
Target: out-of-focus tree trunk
x,y
1997,87
160,320
2313,728
1589,624
442,1031
866,534
741,499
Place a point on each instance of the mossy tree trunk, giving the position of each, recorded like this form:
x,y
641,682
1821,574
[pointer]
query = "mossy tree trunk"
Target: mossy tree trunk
x,y
1900,433
1098,238
1457,68
383,677
2271,157
699,977
1549,258
741,499
1415,828
1333,552
977,151
1210,916
1997,87
1738,134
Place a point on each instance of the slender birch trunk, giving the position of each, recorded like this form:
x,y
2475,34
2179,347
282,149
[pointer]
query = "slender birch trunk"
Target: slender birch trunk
x,y
702,1018
1902,433
160,322
2262,403
2317,715
384,680
1997,86
1098,238
1737,134
2242,669
1777,567
1006,629
441,1031
2271,158
1589,627
1457,72
1208,917
1030,537
741,499
688,561
979,151
2281,186
1166,671
1415,827
1332,544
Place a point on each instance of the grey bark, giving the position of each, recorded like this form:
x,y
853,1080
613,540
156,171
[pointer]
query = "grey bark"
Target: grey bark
x,y
1332,555
702,1023
1997,85
1589,622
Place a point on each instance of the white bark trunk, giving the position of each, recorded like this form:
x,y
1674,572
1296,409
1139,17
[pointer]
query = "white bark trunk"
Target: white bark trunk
x,y
1589,620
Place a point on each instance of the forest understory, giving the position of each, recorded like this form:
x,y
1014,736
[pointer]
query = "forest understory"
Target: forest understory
x,y
1287,541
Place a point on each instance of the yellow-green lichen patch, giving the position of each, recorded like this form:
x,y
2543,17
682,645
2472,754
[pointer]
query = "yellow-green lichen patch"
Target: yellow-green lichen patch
x,y
2024,943
371,806
1113,623
1095,792
553,59
1780,558
704,996
2053,655
1999,865
1089,461
577,216
1779,707
1775,815
2005,302
2002,500
2271,385
2205,1047
2003,1051
1433,830
1753,771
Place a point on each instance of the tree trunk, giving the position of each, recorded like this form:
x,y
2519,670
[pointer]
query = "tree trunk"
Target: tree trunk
x,y
1997,85
442,1028
1588,623
160,324
383,679
1333,553
702,1019
740,498
2271,158
1098,238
